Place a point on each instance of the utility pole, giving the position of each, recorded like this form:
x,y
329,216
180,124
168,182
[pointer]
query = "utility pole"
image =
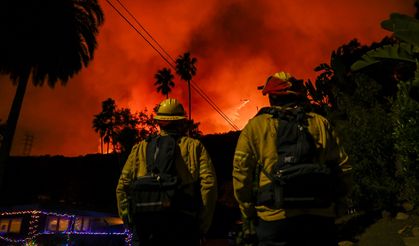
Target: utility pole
x,y
27,144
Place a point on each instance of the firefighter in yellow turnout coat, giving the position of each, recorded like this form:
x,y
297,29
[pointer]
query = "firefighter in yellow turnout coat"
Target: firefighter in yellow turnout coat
x,y
257,148
197,175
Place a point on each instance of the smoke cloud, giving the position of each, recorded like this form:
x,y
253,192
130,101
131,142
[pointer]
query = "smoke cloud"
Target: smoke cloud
x,y
238,44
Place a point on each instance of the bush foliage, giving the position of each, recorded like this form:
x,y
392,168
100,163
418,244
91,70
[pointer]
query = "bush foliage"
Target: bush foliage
x,y
405,117
376,118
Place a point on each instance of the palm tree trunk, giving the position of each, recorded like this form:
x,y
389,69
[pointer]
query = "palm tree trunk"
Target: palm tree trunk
x,y
190,97
101,145
11,124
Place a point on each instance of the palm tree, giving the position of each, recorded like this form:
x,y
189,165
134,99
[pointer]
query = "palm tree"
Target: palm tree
x,y
44,40
185,68
109,122
2,130
164,81
100,127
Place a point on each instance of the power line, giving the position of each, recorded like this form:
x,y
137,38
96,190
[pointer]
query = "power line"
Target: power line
x,y
212,103
143,28
195,87
129,23
172,62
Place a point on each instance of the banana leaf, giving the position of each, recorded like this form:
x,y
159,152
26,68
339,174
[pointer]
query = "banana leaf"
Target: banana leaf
x,y
404,27
400,52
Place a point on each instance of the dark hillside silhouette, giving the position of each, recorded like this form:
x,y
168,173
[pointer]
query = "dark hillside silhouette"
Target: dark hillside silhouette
x,y
221,148
86,182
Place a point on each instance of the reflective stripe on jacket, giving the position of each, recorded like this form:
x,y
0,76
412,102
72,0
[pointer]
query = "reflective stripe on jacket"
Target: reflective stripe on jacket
x,y
257,146
194,166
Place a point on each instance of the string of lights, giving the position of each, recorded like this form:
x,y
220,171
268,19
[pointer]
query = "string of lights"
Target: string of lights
x,y
33,232
166,59
28,240
34,223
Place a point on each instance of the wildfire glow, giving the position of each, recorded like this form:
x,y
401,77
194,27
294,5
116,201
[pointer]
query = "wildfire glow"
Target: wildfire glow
x,y
238,44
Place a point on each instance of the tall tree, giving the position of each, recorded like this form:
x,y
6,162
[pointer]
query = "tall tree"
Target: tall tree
x,y
122,128
44,40
99,127
164,81
126,130
108,118
104,122
185,68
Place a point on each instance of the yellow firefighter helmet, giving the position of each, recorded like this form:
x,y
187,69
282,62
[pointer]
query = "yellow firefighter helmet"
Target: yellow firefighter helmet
x,y
170,109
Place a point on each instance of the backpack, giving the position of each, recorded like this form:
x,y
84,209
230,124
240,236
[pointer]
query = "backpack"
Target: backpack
x,y
157,190
298,181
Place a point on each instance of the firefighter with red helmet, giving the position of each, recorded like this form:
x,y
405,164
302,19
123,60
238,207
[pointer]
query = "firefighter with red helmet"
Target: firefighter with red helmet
x,y
257,188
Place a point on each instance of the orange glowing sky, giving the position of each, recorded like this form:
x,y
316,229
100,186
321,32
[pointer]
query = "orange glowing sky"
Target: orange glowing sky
x,y
238,43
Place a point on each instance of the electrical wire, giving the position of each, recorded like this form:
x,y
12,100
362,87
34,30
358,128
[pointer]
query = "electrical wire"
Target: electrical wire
x,y
197,88
170,63
143,28
194,86
132,26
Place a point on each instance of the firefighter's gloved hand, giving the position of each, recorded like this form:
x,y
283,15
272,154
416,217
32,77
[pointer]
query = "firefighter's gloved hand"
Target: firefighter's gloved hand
x,y
249,232
127,221
202,239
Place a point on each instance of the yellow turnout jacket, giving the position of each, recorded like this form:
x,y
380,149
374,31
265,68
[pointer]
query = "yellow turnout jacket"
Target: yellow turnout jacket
x,y
193,166
257,146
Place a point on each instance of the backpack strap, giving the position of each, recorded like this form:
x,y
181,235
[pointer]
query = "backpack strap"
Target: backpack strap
x,y
136,164
274,111
149,160
269,193
151,154
161,155
304,142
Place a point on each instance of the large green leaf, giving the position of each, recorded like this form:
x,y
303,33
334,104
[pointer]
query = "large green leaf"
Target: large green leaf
x,y
404,27
416,79
401,52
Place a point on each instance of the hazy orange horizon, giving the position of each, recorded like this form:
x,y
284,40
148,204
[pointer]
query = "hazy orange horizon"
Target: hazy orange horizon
x,y
237,45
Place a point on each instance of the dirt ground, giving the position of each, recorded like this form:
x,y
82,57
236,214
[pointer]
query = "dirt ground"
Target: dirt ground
x,y
400,229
